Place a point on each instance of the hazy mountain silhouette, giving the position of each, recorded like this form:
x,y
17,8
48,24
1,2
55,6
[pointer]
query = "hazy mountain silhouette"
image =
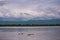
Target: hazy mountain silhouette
x,y
19,21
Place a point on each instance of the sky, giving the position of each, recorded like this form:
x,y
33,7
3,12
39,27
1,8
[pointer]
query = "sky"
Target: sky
x,y
30,9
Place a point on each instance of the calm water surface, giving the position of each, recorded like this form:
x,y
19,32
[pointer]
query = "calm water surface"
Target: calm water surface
x,y
30,33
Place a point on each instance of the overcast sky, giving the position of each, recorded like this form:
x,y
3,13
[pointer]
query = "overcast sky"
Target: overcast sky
x,y
30,9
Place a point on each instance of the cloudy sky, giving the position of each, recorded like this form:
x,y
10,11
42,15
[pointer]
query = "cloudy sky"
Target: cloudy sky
x,y
30,9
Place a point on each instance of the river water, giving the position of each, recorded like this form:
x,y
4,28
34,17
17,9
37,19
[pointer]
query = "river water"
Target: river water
x,y
30,33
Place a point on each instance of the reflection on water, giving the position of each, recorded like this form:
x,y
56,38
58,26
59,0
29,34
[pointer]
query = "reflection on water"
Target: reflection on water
x,y
29,33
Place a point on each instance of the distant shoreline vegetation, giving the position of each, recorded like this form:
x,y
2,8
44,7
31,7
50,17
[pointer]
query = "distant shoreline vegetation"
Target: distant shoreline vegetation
x,y
29,24
53,22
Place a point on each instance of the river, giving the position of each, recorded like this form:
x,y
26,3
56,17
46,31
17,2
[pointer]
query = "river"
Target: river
x,y
30,33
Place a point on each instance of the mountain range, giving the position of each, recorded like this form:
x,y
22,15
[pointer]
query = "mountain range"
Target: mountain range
x,y
19,21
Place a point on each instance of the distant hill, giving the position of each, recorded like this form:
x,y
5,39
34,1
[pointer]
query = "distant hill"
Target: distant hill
x,y
53,21
18,21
